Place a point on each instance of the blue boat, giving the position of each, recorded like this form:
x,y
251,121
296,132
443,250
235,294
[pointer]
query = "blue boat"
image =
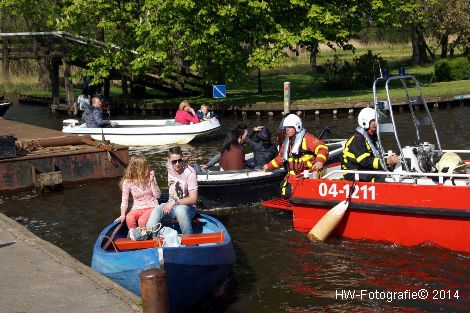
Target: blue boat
x,y
194,271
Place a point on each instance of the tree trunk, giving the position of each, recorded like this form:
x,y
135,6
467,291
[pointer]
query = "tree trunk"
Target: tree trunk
x,y
260,86
125,91
419,47
313,56
444,45
99,33
423,47
415,46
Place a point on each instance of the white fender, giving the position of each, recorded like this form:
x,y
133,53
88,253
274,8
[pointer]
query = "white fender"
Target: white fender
x,y
328,222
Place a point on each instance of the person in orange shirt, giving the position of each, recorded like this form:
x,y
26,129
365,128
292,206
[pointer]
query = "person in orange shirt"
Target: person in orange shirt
x,y
300,151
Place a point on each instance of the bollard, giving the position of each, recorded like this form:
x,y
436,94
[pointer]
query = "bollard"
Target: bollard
x,y
154,290
286,97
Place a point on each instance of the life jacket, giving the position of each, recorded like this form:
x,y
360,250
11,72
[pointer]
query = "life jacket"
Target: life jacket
x,y
295,150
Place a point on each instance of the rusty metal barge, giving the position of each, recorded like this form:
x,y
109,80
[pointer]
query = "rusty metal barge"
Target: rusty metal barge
x,y
33,157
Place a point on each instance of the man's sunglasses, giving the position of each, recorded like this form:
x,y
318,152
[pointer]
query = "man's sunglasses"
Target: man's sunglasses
x,y
176,161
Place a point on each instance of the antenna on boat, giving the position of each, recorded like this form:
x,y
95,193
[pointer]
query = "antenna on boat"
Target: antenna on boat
x,y
380,69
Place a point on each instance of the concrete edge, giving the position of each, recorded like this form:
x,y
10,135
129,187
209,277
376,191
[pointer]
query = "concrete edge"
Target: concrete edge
x,y
21,232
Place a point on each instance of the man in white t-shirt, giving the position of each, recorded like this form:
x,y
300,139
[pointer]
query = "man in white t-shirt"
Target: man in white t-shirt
x,y
182,183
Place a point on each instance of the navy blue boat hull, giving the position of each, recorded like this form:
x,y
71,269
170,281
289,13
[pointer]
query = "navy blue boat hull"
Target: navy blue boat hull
x,y
193,272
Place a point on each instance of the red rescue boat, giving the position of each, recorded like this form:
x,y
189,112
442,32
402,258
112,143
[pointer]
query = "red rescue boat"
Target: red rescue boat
x,y
419,203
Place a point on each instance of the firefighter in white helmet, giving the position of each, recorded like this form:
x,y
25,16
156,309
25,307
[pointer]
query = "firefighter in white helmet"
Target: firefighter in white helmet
x,y
300,151
360,152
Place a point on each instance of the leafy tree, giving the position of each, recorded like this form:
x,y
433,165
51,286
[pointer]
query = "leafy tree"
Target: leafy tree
x,y
332,23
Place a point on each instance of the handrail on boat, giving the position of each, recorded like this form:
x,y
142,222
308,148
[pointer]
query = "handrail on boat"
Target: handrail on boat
x,y
247,171
457,151
401,174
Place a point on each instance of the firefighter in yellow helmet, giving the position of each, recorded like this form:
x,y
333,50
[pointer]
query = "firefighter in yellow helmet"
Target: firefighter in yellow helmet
x,y
300,151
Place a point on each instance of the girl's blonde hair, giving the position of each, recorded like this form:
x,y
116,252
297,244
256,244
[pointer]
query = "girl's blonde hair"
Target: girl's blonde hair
x,y
137,171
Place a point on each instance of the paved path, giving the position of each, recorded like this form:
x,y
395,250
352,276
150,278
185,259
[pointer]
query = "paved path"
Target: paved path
x,y
36,277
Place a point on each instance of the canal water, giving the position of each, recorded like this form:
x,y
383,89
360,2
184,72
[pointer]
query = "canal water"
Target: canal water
x,y
277,268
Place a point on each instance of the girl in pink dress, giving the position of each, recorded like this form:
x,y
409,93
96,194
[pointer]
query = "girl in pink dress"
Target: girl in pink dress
x,y
139,181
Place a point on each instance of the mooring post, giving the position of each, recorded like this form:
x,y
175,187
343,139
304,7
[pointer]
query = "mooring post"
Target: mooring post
x,y
154,289
286,98
73,108
55,84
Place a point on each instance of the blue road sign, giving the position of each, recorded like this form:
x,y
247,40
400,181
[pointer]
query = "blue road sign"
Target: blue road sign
x,y
218,91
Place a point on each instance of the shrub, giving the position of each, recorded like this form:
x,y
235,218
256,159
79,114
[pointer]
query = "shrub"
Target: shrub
x,y
452,69
367,68
338,75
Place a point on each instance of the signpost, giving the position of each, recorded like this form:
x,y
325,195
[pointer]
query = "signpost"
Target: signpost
x,y
219,91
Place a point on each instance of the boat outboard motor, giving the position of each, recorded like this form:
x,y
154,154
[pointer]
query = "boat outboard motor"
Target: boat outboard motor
x,y
70,122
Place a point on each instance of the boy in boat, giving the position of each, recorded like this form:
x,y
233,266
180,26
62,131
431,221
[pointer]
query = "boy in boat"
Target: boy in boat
x,y
360,152
300,151
93,116
182,183
186,115
204,114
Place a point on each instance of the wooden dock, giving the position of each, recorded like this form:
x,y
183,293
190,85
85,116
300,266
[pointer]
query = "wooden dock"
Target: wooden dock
x,y
63,160
300,107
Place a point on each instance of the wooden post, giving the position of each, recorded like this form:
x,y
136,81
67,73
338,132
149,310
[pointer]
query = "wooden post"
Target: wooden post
x,y
6,61
154,289
55,82
125,91
69,88
286,98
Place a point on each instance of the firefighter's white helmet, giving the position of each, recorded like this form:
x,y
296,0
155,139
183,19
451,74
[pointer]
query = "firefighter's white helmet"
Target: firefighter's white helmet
x,y
292,120
365,116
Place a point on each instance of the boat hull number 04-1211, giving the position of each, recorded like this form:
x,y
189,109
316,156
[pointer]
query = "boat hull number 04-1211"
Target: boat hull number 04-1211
x,y
331,190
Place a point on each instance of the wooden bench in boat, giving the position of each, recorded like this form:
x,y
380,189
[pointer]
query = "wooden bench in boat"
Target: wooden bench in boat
x,y
123,244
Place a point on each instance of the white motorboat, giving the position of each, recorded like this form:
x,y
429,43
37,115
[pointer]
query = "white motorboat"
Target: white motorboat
x,y
144,132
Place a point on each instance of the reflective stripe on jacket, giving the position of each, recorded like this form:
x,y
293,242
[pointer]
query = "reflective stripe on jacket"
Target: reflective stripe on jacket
x,y
358,155
312,150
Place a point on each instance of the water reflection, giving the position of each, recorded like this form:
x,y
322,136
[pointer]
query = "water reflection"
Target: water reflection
x,y
277,268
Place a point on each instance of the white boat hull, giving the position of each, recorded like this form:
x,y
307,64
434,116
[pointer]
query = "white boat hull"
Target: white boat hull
x,y
144,132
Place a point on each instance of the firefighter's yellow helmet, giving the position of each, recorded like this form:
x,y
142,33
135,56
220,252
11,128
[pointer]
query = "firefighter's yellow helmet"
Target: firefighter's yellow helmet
x,y
450,163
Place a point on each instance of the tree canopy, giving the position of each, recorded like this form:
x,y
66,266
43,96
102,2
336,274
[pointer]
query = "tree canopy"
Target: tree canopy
x,y
223,39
